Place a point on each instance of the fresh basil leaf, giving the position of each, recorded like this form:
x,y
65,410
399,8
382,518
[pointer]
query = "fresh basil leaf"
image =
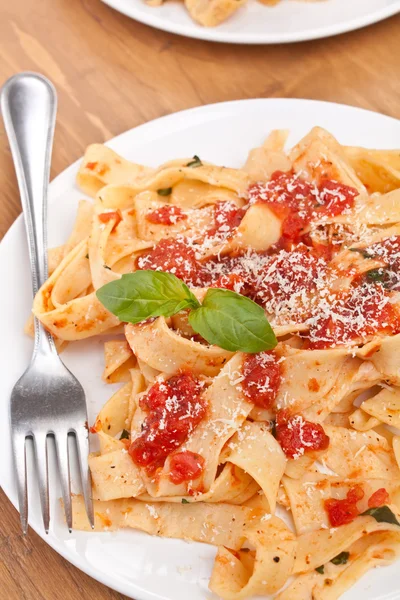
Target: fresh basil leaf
x,y
165,191
382,514
341,559
144,294
184,501
196,162
376,275
320,569
124,435
361,251
232,322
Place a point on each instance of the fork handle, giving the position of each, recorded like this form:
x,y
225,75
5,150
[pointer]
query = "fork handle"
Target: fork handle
x,y
29,104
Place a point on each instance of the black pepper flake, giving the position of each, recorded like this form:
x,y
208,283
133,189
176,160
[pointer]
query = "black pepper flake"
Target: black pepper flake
x,y
276,559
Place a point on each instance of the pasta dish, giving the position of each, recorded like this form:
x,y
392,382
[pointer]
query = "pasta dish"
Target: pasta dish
x,y
211,13
253,321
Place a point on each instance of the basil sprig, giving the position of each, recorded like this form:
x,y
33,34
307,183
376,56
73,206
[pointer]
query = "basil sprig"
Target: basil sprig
x,y
382,514
232,322
227,319
145,294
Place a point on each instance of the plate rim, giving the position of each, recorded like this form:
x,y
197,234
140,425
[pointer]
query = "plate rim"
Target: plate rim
x,y
55,189
212,34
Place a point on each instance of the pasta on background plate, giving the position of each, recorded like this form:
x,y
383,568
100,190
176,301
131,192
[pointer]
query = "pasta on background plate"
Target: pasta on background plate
x,y
286,460
211,13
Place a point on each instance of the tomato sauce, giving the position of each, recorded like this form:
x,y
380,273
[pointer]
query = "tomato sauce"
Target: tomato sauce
x,y
262,378
185,466
176,257
379,498
387,251
174,409
342,512
166,215
297,201
108,216
227,216
287,275
100,169
273,281
298,436
361,312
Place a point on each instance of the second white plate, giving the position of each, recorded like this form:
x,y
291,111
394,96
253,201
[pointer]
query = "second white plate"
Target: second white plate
x,y
141,566
255,23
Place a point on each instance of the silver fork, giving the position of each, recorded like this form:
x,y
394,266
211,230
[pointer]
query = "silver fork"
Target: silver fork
x,y
47,399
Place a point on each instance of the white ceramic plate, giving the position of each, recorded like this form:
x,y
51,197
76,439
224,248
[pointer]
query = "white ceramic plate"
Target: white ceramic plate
x,y
254,23
140,566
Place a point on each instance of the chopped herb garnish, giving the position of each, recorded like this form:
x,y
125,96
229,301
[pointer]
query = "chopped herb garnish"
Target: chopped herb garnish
x,y
376,275
164,191
107,267
320,569
341,559
382,514
196,162
184,501
361,251
124,435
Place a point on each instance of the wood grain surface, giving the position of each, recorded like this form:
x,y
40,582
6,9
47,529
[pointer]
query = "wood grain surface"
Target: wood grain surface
x,y
113,74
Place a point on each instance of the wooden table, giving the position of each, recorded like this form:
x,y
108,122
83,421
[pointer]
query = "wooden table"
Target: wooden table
x,y
112,74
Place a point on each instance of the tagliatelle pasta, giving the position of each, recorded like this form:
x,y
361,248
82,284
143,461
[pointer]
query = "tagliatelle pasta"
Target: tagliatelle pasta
x,y
287,460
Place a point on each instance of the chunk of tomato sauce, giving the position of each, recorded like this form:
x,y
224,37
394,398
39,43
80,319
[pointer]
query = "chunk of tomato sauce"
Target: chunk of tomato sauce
x,y
297,436
174,409
227,217
379,498
166,215
234,272
387,251
111,215
233,282
269,280
363,311
289,274
297,201
185,466
176,257
262,378
342,512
